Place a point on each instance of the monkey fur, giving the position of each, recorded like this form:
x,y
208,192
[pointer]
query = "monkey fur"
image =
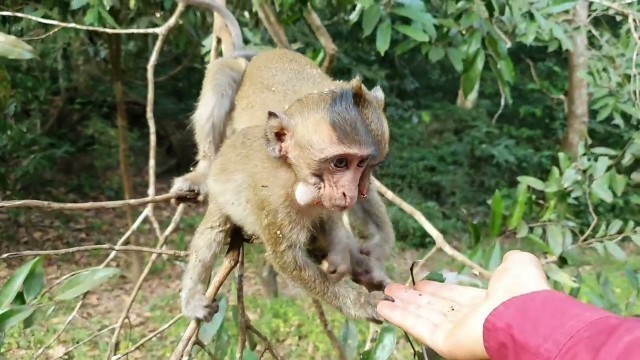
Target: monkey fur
x,y
215,113
324,139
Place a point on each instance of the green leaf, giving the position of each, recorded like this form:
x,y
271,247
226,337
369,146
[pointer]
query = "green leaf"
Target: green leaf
x,y
435,276
39,314
521,205
497,208
569,177
383,35
600,188
563,161
618,183
419,16
604,151
209,330
249,354
556,274
532,182
349,338
456,55
471,75
558,8
614,227
615,250
13,316
77,4
385,344
13,48
35,281
555,239
84,281
554,183
412,32
601,166
370,18
496,256
523,230
436,53
11,288
632,277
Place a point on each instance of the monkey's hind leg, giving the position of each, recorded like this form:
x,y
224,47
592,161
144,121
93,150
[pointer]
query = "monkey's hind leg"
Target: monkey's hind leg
x,y
206,244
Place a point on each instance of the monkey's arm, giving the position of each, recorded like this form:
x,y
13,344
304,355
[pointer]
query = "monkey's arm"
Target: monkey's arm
x,y
290,259
205,246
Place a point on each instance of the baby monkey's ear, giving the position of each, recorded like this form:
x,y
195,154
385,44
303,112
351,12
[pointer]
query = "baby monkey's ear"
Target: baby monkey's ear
x,y
278,134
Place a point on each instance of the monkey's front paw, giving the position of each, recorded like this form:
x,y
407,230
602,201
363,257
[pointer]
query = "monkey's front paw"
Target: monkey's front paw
x,y
368,273
197,307
193,183
372,303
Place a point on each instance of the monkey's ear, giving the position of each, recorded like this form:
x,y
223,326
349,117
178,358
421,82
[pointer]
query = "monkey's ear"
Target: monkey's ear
x,y
378,96
277,134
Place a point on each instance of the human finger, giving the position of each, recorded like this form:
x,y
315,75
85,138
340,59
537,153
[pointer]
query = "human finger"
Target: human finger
x,y
419,303
420,325
458,293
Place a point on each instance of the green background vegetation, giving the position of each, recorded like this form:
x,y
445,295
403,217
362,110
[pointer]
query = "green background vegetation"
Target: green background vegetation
x,y
489,177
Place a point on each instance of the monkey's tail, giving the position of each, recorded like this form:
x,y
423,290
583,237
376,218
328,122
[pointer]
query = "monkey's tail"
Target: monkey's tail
x,y
221,82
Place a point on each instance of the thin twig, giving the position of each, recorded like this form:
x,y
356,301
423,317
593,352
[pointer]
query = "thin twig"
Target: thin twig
x,y
327,329
204,348
266,341
330,48
618,7
85,341
73,314
148,337
593,214
176,253
154,30
138,286
231,260
242,313
40,37
431,230
50,205
421,264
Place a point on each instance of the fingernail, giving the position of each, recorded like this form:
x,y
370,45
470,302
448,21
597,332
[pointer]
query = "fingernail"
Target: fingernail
x,y
388,298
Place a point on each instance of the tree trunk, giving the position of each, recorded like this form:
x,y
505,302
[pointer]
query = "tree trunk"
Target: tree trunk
x,y
578,93
115,59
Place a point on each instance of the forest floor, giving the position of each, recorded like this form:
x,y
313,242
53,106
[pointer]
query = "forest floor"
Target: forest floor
x,y
284,320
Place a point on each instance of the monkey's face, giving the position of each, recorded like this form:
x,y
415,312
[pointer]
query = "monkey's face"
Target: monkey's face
x,y
341,176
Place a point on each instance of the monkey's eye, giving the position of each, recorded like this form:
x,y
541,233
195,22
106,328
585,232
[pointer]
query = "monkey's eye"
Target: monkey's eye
x,y
340,163
363,162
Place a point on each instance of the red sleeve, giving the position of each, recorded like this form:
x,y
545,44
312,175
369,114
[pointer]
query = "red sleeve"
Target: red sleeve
x,y
551,325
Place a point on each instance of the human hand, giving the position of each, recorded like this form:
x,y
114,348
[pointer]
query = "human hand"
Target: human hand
x,y
449,318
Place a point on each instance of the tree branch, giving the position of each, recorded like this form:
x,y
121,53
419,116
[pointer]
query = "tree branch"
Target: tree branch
x,y
50,205
323,36
431,230
327,329
269,19
154,30
176,253
231,260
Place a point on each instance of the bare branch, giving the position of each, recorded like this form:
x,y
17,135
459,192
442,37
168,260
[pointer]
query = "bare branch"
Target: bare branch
x,y
431,230
145,272
231,260
327,329
147,338
50,205
421,263
176,253
267,15
154,30
266,341
323,36
227,16
69,350
242,313
73,314
40,37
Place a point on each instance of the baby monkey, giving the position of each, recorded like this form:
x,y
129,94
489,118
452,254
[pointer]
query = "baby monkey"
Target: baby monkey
x,y
283,152
328,140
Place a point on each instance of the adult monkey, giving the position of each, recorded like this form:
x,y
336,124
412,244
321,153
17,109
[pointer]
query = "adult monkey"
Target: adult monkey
x,y
273,81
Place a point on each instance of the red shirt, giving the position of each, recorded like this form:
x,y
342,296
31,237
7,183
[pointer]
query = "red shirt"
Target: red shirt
x,y
551,325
